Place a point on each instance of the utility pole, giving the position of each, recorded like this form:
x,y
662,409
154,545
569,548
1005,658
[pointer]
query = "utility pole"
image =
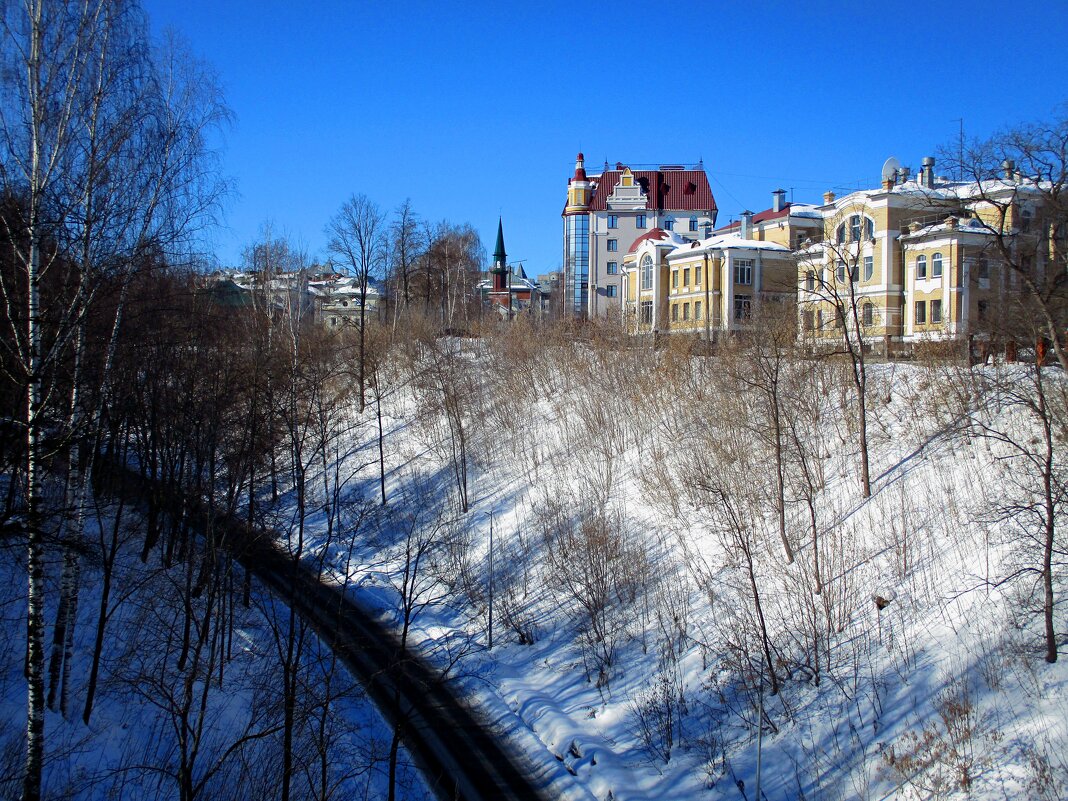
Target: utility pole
x,y
490,637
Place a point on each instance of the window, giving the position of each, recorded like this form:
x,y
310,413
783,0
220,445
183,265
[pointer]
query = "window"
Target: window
x,y
869,228
613,221
613,245
839,234
697,310
612,268
647,272
743,271
685,311
936,265
810,280
936,311
921,312
868,314
708,230
743,307
841,272
869,267
819,319
674,312
982,270
808,320
675,279
669,225
646,312
610,291
686,277
693,223
639,221
799,239
854,228
921,266
982,310
697,276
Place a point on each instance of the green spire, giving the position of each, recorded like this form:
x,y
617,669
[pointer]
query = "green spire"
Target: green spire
x,y
500,258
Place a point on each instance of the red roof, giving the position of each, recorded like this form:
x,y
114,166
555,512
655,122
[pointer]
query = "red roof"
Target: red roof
x,y
656,234
763,216
676,190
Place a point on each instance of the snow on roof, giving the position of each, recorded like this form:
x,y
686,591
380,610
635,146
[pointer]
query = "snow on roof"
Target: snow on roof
x,y
972,226
721,242
656,235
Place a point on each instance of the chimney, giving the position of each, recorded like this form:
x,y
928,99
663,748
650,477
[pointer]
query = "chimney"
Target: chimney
x,y
746,228
906,173
927,172
888,183
1008,168
778,200
951,222
828,198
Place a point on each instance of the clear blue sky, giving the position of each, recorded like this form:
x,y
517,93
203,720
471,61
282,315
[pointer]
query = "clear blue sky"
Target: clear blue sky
x,y
474,110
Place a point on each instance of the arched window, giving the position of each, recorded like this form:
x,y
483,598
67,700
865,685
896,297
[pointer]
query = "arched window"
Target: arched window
x,y
921,266
869,228
869,267
936,265
839,234
647,271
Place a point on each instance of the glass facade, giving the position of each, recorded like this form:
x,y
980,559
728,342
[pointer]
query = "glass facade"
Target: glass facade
x,y
577,261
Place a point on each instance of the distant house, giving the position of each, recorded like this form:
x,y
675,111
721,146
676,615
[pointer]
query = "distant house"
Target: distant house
x,y
340,300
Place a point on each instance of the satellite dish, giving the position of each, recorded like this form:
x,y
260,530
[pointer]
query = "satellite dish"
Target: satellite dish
x,y
891,169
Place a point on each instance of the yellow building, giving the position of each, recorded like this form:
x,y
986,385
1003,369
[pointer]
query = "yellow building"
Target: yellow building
x,y
910,261
706,287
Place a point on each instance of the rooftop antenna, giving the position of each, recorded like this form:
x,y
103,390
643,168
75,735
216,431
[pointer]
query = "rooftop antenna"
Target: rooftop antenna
x,y
960,152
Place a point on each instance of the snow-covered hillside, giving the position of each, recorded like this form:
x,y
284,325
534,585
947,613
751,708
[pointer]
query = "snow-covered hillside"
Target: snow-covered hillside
x,y
646,602
630,497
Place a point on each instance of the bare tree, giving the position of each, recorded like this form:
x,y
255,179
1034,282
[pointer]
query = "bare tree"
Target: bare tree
x,y
832,270
1016,184
407,247
95,155
357,237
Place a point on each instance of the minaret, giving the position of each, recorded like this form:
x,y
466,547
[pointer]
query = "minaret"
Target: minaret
x,y
500,261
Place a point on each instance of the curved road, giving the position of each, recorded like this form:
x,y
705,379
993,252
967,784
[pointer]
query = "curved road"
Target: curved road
x,y
457,754
458,757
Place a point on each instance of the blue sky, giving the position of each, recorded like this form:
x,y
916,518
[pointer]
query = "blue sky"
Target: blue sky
x,y
474,110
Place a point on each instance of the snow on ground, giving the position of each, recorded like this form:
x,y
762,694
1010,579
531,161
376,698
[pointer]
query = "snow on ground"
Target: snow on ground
x,y
627,661
943,688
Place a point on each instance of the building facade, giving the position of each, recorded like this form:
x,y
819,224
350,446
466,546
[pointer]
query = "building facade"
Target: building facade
x,y
604,215
912,260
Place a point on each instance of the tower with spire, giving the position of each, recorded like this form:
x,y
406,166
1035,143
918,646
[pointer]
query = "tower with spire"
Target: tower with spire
x,y
500,294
